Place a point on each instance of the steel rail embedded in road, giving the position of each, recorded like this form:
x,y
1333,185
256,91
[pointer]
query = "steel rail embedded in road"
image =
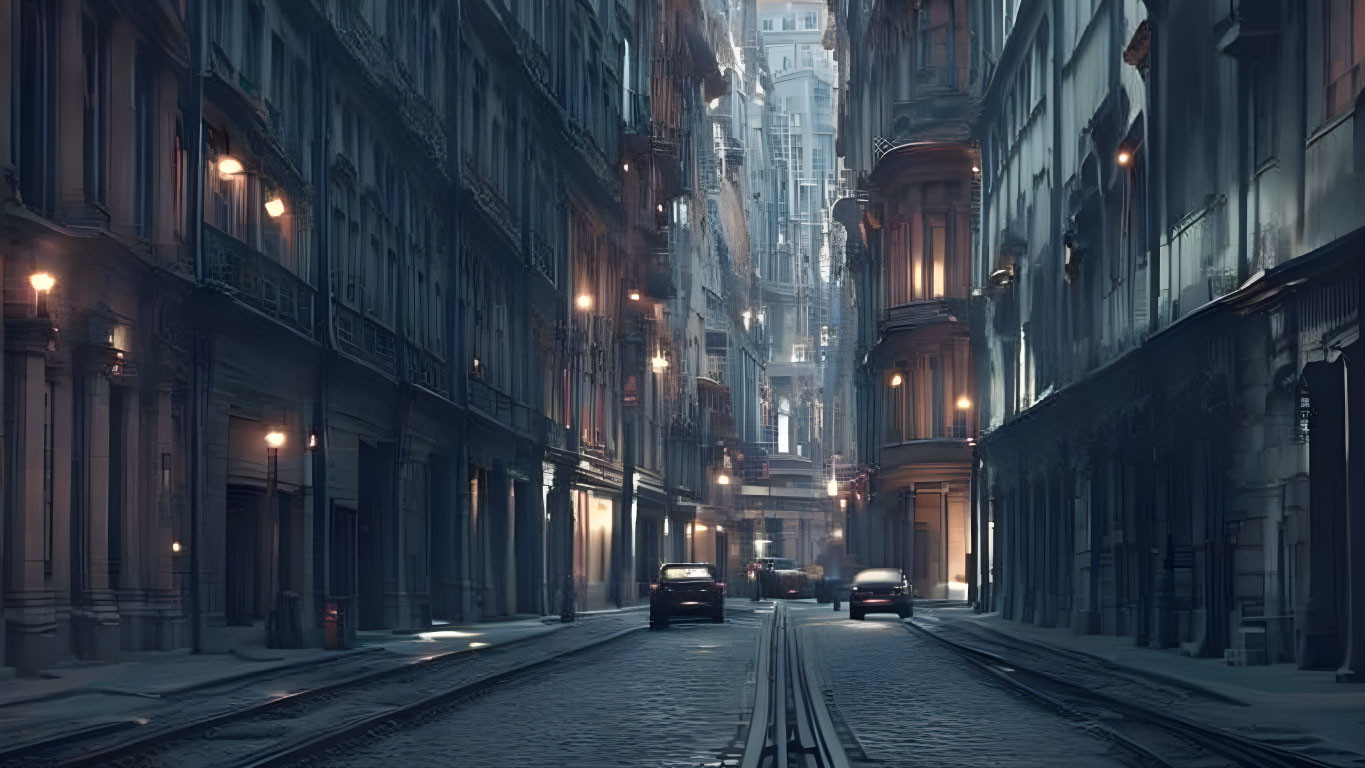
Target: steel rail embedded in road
x,y
791,725
1240,749
297,750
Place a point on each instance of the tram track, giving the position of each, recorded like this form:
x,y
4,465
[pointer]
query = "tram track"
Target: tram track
x,y
348,707
791,725
1152,737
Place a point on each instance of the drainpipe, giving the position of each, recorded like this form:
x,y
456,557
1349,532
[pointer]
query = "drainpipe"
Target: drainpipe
x,y
322,323
198,359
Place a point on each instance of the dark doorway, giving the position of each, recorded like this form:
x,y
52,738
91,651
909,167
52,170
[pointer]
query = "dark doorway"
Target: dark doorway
x,y
341,553
242,563
376,474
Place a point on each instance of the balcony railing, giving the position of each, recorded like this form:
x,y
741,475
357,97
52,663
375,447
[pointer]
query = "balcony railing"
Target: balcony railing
x,y
257,281
542,256
365,339
490,200
426,369
489,400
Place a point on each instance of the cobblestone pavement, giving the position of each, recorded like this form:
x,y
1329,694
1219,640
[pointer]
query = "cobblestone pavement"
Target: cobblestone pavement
x,y
250,735
672,698
909,701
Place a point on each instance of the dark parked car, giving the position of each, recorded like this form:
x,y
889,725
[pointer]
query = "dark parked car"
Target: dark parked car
x,y
686,589
779,577
880,590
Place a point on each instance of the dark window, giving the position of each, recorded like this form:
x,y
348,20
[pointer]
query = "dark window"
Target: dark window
x,y
34,150
1265,98
144,142
251,50
95,55
1344,27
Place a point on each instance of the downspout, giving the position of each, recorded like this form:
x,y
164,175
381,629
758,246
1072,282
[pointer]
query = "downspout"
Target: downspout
x,y
199,349
322,319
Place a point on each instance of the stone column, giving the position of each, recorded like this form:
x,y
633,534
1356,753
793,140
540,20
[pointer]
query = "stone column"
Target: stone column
x,y
29,605
98,637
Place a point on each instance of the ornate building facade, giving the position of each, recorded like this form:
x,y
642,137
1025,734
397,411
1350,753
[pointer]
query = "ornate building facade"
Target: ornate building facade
x,y
341,309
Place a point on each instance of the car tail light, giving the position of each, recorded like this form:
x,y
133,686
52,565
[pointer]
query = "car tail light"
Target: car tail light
x,y
721,584
653,588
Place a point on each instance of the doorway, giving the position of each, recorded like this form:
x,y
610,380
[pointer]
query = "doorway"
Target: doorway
x,y
243,562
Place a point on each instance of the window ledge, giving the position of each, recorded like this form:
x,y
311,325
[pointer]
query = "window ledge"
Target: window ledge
x,y
1327,127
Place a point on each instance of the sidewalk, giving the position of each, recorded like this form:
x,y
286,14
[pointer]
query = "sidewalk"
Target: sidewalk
x,y
154,674
1282,704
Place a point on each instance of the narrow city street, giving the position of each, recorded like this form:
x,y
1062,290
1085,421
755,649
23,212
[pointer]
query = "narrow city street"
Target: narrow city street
x,y
674,383
606,691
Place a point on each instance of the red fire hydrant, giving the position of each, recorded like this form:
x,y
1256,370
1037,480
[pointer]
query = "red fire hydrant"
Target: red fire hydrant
x,y
331,626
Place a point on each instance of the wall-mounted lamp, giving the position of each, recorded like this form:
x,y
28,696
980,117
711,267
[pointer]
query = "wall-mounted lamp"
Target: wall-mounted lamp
x,y
896,380
584,301
229,166
275,207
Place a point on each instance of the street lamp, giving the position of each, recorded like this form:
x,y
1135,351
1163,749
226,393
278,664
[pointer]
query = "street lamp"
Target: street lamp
x,y
963,402
634,295
722,479
584,301
659,362
274,440
42,283
896,380
275,207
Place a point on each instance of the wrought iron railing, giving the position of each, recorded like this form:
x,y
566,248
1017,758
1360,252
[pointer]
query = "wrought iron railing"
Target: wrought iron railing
x,y
542,256
491,201
257,281
365,339
492,402
426,369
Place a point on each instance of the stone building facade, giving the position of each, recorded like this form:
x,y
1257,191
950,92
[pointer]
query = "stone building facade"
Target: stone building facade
x,y
339,308
906,136
1169,260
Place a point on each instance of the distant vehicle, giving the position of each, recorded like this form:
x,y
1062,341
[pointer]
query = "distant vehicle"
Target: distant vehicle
x,y
780,577
880,590
686,589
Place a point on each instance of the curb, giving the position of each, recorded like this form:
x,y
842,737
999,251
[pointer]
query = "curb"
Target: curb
x,y
1161,677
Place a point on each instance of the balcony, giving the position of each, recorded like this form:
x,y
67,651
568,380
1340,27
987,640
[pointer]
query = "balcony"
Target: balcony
x,y
919,314
363,338
491,201
542,256
498,406
426,370
256,281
